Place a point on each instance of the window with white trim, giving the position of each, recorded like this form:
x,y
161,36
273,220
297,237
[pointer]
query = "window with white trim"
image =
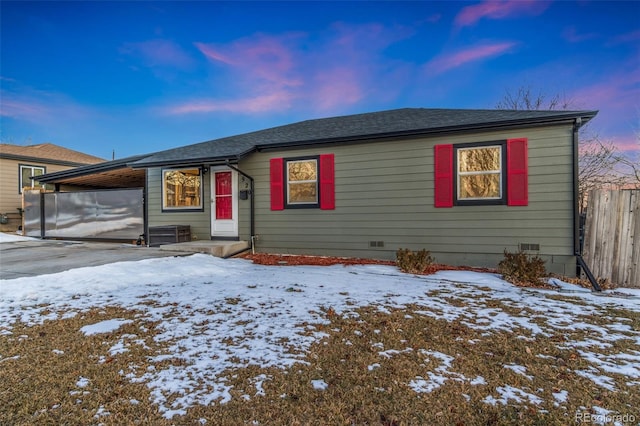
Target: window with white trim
x,y
479,173
302,182
28,175
182,189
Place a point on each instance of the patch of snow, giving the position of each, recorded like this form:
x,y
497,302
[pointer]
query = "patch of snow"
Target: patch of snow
x,y
319,384
433,380
118,348
508,392
518,369
373,366
599,379
10,358
100,412
82,382
57,352
12,238
259,380
106,326
479,380
560,397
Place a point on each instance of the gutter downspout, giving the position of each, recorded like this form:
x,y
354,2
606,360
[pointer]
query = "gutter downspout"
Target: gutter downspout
x,y
252,207
577,247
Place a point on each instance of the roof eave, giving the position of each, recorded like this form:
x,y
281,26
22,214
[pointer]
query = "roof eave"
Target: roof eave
x,y
506,124
222,159
41,160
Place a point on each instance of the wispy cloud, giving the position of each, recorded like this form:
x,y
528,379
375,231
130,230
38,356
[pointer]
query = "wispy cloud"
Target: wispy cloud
x,y
499,9
572,36
617,97
20,109
39,107
340,85
631,37
620,91
262,59
159,53
43,115
627,144
279,72
448,61
257,104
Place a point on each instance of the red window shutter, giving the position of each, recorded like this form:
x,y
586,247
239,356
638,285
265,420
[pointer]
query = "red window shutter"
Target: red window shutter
x,y
327,182
517,173
443,175
277,183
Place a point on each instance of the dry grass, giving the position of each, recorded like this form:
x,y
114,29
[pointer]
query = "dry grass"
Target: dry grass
x,y
367,362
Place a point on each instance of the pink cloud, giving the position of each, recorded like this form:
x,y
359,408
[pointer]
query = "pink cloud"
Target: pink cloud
x,y
22,110
213,55
619,91
261,59
279,72
499,9
446,62
627,143
616,98
159,52
39,107
337,87
258,104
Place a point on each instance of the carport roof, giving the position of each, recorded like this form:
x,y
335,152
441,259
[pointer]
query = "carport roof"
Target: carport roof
x,y
390,124
108,174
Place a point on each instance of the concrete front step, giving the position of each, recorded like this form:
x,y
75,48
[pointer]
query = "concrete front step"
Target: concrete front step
x,y
214,248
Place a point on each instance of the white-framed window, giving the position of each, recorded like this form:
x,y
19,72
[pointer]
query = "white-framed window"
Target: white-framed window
x,y
301,176
28,177
480,173
182,189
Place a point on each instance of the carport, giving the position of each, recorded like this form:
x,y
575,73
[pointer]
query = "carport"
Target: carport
x,y
96,202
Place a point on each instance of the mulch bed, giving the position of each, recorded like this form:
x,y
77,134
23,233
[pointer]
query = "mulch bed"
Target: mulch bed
x,y
294,259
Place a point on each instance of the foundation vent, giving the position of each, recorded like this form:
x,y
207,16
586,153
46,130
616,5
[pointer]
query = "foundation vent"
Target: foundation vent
x,y
376,243
529,247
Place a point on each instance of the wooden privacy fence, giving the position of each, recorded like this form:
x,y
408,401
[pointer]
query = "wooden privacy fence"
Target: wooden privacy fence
x,y
612,236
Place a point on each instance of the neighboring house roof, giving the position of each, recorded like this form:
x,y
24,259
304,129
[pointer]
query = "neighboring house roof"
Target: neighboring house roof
x,y
47,153
396,123
108,174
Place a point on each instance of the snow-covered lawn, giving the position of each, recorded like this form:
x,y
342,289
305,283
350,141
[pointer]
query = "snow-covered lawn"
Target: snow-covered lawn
x,y
219,314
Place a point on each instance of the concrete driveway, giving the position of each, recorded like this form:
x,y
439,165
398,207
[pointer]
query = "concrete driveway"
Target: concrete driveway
x,y
38,257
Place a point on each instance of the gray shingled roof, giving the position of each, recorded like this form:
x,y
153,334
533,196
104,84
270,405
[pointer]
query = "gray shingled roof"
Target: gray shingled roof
x,y
375,125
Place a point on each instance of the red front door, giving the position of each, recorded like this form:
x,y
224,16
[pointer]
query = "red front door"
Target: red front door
x,y
224,196
224,200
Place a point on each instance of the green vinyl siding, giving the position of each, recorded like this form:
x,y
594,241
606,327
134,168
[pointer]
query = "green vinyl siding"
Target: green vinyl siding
x,y
384,192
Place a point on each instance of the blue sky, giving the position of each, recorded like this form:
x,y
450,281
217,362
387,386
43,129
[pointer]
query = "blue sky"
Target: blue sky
x,y
138,77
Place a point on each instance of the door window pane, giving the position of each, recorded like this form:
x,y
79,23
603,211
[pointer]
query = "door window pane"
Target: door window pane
x,y
224,195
